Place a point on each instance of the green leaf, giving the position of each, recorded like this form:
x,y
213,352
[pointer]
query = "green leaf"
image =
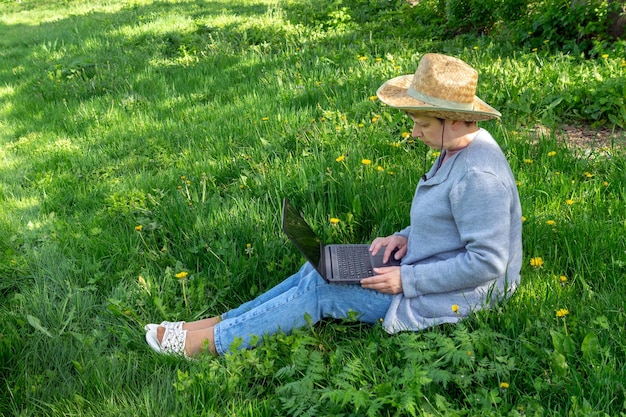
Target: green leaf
x,y
590,346
34,321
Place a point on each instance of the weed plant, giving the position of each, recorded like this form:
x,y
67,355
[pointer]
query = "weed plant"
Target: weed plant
x,y
146,148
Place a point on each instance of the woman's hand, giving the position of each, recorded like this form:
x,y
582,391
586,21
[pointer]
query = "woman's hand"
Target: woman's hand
x,y
386,281
391,243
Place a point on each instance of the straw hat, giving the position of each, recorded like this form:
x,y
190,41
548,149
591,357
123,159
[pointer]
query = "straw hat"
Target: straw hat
x,y
443,87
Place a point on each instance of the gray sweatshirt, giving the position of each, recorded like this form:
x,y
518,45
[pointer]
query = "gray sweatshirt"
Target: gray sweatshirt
x,y
464,242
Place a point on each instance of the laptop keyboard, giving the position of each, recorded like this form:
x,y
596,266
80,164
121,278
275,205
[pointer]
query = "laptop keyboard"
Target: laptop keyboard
x,y
354,262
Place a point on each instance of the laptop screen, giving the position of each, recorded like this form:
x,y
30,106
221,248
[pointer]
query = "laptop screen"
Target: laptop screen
x,y
301,234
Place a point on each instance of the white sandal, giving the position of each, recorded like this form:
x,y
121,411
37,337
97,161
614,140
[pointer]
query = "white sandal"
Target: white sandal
x,y
173,341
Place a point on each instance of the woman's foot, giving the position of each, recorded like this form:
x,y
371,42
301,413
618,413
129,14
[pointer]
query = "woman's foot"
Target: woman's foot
x,y
187,342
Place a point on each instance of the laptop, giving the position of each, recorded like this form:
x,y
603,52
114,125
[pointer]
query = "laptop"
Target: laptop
x,y
346,264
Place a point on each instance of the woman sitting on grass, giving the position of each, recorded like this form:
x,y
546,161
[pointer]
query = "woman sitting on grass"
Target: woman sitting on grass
x,y
461,252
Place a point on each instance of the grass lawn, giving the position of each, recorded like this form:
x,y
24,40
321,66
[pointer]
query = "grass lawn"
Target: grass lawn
x,y
140,139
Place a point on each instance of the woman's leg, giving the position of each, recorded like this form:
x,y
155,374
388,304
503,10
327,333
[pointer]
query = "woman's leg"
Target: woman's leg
x,y
306,299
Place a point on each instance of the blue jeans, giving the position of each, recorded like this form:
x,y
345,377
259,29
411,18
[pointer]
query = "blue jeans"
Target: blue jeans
x,y
285,306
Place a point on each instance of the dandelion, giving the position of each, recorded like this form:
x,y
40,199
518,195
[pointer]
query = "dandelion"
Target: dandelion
x,y
373,98
551,223
605,183
476,48
562,279
524,219
362,58
378,59
551,153
562,312
536,262
265,119
375,119
569,202
334,220
588,174
138,228
605,56
182,275
405,135
366,161
340,158
528,161
379,168
504,385
361,125
455,308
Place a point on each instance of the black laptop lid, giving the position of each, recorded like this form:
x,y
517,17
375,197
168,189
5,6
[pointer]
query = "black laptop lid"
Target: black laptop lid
x,y
301,234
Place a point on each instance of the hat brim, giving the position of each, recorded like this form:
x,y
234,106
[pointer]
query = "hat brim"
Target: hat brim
x,y
394,94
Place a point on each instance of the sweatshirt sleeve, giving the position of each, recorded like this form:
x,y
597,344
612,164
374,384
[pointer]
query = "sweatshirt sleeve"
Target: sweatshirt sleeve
x,y
480,204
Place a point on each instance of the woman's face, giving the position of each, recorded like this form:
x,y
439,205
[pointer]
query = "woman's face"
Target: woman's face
x,y
428,129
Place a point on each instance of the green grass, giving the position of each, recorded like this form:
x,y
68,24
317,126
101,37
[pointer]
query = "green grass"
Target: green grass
x,y
139,139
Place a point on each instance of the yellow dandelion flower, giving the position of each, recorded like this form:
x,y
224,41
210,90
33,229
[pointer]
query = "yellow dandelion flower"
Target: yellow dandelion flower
x,y
504,385
455,308
551,153
551,223
405,135
536,262
524,219
563,279
605,56
373,98
378,59
605,183
139,228
562,312
528,161
265,119
557,173
569,202
366,161
340,158
334,220
182,275
362,58
476,48
375,119
588,174
361,125
322,119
